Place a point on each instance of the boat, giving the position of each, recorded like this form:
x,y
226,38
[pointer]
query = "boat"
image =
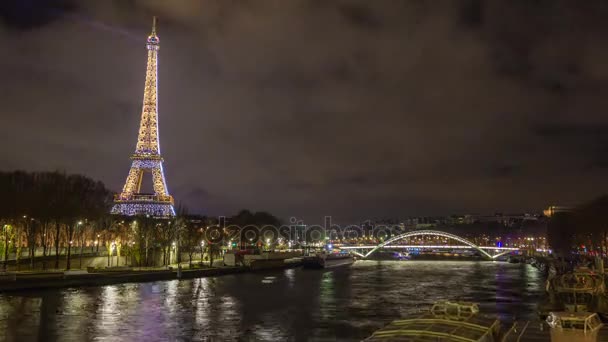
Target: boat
x,y
404,256
445,321
581,290
389,255
325,260
450,321
574,326
514,260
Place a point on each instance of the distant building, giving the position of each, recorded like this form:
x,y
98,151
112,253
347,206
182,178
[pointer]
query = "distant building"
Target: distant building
x,y
555,209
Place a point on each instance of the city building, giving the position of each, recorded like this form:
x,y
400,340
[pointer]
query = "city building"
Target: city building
x,y
551,210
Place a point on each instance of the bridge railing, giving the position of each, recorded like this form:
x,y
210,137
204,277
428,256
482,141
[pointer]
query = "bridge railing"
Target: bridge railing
x,y
467,244
427,246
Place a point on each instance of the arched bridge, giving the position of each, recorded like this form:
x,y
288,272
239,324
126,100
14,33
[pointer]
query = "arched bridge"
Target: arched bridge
x,y
365,251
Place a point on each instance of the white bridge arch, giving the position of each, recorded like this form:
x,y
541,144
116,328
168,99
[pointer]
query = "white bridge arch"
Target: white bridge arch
x,y
501,250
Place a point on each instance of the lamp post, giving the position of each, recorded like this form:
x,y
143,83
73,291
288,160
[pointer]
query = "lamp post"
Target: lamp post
x,y
81,244
113,247
202,250
6,244
173,252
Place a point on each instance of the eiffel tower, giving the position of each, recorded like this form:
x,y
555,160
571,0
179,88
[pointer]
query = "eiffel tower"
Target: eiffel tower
x,y
146,158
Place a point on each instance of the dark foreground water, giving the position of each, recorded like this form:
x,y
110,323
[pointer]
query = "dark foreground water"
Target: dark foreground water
x,y
292,305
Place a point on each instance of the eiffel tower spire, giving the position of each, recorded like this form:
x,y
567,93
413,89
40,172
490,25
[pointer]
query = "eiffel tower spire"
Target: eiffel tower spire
x,y
147,158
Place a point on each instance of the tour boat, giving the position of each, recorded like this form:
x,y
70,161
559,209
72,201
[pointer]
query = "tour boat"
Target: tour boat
x,y
579,291
574,326
324,260
446,321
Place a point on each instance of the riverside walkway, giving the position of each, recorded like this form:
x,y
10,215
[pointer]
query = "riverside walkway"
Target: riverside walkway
x,y
15,281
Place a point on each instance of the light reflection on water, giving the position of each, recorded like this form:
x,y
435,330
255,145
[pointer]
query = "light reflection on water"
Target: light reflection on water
x,y
343,303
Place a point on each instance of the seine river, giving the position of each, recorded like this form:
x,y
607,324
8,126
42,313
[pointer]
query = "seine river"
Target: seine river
x,y
344,304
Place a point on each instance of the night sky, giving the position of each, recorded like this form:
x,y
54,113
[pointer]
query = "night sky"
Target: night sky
x,y
355,109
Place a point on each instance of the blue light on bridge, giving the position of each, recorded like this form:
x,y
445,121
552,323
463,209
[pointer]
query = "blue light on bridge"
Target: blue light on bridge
x,y
499,244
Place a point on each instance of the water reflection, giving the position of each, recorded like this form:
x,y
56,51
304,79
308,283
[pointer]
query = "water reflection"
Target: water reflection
x,y
291,276
108,312
343,303
327,297
200,294
18,318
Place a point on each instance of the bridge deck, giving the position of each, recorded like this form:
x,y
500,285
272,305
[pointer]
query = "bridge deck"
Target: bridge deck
x,y
366,250
426,246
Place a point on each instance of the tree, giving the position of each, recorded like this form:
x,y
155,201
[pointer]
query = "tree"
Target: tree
x,y
259,219
55,210
87,199
144,230
30,236
213,250
18,238
8,234
165,230
191,239
30,199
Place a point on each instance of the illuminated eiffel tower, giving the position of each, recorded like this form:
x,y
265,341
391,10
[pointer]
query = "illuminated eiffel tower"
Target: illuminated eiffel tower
x,y
146,158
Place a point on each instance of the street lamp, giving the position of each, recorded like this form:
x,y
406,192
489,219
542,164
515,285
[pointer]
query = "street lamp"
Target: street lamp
x,y
175,258
202,251
113,247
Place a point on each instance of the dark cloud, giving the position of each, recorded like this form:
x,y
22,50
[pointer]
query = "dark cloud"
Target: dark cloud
x,y
312,108
471,13
360,16
31,14
589,141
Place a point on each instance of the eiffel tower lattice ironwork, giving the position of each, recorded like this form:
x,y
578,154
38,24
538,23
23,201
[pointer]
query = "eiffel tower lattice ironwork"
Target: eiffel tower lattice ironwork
x,y
147,158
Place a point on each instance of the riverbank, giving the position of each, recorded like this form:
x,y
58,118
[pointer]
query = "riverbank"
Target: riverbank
x,y
17,281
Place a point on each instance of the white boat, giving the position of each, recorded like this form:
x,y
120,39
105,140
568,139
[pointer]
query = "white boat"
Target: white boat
x,y
324,260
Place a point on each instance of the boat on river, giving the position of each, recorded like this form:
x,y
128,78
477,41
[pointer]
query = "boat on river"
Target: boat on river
x,y
328,260
514,259
460,321
446,321
582,290
574,326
